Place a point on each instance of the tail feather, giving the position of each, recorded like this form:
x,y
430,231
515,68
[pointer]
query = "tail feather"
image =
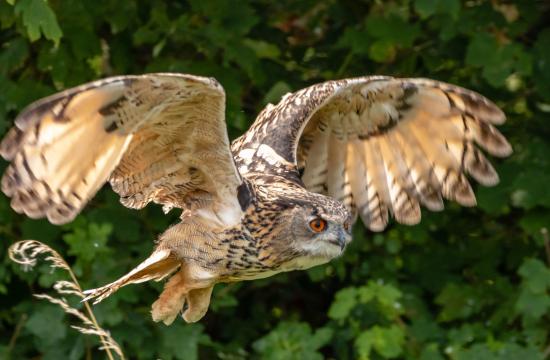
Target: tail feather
x,y
156,267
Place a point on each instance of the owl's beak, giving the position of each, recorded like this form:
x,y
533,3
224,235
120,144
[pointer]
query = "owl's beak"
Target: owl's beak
x,y
343,239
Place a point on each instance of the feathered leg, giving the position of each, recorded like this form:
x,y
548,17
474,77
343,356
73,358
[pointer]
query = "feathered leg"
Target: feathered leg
x,y
198,301
171,300
192,283
156,267
181,290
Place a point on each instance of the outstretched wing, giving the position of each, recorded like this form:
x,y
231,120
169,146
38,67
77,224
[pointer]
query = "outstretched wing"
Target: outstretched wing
x,y
157,137
380,145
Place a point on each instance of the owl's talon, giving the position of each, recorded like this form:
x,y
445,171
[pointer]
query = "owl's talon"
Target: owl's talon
x,y
170,301
198,301
167,309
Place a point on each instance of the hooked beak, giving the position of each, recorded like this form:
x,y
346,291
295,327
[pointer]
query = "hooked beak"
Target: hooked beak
x,y
343,239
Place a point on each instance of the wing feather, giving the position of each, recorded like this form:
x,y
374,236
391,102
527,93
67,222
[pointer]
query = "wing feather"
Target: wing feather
x,y
336,179
156,137
422,171
388,145
405,208
378,193
355,168
315,172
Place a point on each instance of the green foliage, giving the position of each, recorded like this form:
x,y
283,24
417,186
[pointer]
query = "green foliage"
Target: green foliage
x,y
533,301
388,342
463,284
39,20
293,340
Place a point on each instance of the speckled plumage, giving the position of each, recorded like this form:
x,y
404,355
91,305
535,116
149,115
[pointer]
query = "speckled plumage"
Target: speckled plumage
x,y
367,147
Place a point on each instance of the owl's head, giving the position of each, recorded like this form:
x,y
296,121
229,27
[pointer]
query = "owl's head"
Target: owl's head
x,y
319,228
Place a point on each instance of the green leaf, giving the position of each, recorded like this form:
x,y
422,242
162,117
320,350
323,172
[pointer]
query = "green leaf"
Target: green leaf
x,y
467,333
13,55
39,19
458,301
89,240
537,225
363,344
529,188
496,200
535,274
263,49
291,340
382,51
387,342
180,341
47,322
356,40
498,61
276,92
499,351
542,64
427,8
431,352
344,301
228,17
393,30
424,328
482,50
387,298
534,300
533,305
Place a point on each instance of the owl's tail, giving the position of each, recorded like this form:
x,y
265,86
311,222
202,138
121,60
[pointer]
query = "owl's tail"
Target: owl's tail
x,y
156,267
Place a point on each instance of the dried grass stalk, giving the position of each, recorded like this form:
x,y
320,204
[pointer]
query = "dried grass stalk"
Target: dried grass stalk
x,y
26,253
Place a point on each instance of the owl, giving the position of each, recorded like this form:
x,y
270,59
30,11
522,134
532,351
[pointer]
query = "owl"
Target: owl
x,y
283,196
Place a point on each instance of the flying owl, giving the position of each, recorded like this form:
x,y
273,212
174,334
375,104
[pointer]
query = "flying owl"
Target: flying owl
x,y
282,197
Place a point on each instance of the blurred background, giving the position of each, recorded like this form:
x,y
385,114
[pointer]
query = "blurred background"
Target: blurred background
x,y
464,284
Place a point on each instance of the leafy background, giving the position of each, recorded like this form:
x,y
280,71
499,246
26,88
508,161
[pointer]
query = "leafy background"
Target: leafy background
x,y
464,284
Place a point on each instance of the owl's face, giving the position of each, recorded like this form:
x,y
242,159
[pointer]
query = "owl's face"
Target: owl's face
x,y
321,228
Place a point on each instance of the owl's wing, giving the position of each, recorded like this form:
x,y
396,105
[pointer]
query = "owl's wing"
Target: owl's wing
x,y
381,145
157,137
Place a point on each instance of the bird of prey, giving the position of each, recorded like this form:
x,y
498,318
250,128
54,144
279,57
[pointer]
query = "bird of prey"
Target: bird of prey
x,y
282,197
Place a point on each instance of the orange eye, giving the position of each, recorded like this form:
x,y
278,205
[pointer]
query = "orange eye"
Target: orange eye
x,y
318,225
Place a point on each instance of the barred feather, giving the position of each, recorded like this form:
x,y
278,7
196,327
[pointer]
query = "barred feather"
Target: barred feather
x,y
157,137
408,142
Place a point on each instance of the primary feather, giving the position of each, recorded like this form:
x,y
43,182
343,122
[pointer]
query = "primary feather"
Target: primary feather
x,y
383,145
153,137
